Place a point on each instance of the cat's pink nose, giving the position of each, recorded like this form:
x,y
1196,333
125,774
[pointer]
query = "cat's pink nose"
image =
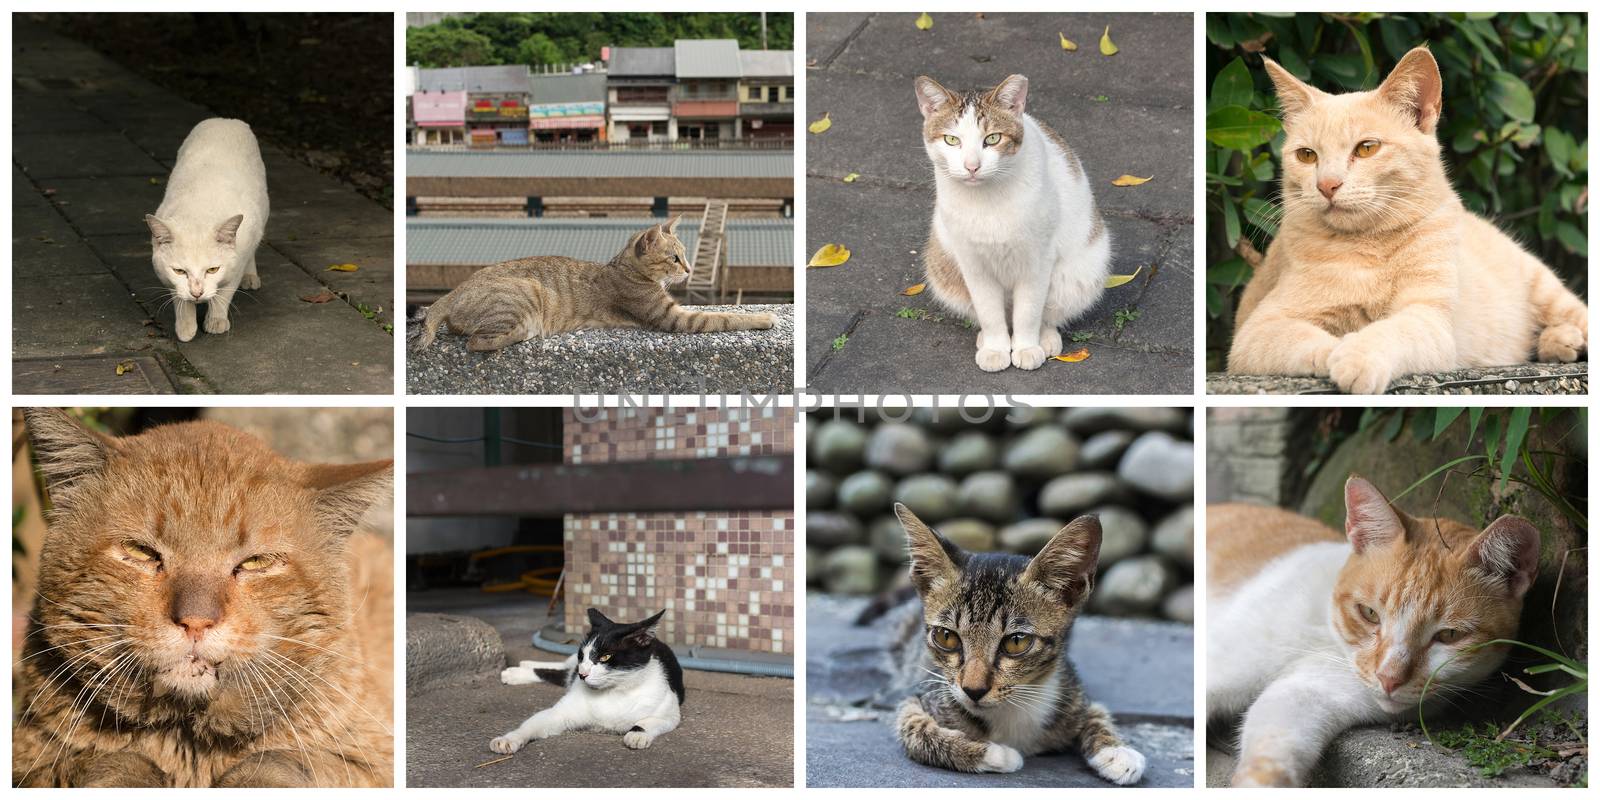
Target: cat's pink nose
x,y
1328,186
197,292
1390,682
196,627
972,169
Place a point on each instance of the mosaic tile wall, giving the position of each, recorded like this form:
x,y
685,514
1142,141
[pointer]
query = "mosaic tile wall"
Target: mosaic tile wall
x,y
726,579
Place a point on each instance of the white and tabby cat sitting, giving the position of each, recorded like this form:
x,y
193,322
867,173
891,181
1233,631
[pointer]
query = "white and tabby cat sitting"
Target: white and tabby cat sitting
x,y
1017,245
621,680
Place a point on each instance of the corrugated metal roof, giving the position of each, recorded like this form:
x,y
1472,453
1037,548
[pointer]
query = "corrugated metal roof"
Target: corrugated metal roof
x,y
601,164
513,78
751,242
641,62
707,58
587,88
767,63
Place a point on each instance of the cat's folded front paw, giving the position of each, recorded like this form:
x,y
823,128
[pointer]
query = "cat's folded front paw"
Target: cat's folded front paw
x,y
1561,343
1028,357
1000,758
637,740
762,322
215,324
1259,772
1357,371
518,676
506,744
993,360
1123,766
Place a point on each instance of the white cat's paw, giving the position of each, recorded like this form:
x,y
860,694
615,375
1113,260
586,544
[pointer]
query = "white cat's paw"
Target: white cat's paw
x,y
518,676
1000,758
250,281
1259,772
1050,341
637,740
506,744
1123,766
1561,343
1028,358
1319,357
216,324
1357,371
993,360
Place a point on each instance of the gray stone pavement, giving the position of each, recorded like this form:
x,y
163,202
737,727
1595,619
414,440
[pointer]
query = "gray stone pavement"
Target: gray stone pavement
x,y
92,147
860,70
1517,379
1143,671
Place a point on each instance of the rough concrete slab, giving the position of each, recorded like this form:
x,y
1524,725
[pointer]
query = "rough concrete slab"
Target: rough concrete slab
x,y
1375,756
76,315
447,649
108,205
46,156
1534,379
141,375
371,285
36,112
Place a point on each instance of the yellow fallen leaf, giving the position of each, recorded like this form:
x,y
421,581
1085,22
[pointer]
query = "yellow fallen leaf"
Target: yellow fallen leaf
x,y
124,367
342,268
1129,180
1066,44
1074,356
913,291
1106,47
821,125
155,181
1114,281
829,255
851,178
924,22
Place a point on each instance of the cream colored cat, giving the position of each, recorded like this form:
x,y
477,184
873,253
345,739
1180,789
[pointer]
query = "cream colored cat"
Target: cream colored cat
x,y
1377,270
1311,633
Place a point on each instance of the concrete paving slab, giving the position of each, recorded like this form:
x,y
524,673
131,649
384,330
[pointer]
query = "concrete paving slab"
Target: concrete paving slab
x,y
105,205
36,112
141,375
1530,379
78,314
46,156
372,284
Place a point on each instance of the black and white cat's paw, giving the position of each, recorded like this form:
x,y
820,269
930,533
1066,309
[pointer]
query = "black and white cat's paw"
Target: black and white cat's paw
x,y
1123,766
638,739
519,676
507,745
1000,758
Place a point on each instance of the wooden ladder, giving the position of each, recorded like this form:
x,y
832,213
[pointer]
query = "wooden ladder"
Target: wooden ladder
x,y
710,251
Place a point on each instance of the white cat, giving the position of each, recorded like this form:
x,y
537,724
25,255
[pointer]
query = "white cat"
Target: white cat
x,y
204,236
621,680
1015,228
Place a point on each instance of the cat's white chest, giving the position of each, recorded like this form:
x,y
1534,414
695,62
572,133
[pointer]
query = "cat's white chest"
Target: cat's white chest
x,y
1019,728
619,708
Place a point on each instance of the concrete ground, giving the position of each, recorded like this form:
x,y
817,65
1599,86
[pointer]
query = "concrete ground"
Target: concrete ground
x,y
92,147
1534,379
1143,671
737,730
1131,113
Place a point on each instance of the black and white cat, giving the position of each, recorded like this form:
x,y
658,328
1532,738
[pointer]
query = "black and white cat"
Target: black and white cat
x,y
621,680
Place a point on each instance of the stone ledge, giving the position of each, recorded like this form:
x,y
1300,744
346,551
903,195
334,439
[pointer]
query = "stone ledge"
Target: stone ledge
x,y
1377,756
443,649
613,361
1534,379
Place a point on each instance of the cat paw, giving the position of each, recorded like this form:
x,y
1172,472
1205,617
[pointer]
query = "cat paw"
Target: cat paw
x,y
506,745
1000,758
518,676
637,740
1028,358
215,324
1050,341
762,322
250,281
1259,772
1358,372
993,360
1561,343
1320,355
1123,766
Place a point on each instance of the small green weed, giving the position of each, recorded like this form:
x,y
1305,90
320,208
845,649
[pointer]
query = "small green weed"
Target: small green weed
x,y
838,342
1081,336
1124,316
913,313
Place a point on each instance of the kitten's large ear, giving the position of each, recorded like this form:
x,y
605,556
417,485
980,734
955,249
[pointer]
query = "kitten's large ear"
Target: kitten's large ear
x,y
1066,564
931,96
344,492
1414,85
158,229
1508,553
67,451
1011,94
1294,95
228,231
599,620
933,557
672,225
646,239
1369,520
645,630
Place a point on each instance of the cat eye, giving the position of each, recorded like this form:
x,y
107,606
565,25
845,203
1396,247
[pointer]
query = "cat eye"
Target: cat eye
x,y
1367,614
141,554
1449,636
1367,148
953,141
1017,643
991,140
213,270
945,639
605,658
180,271
253,564
1306,155
675,259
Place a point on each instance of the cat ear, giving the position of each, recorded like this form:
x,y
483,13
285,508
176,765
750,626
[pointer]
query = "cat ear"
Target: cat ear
x,y
344,492
68,452
933,557
1066,564
672,225
644,631
931,96
1414,85
158,229
228,231
599,620
643,241
1294,95
1507,552
1369,520
1011,94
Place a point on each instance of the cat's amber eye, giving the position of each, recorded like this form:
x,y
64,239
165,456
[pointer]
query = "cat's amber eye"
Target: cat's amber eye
x,y
945,639
605,658
991,140
1367,148
254,564
213,270
1448,636
1017,643
953,141
1306,155
179,271
1367,613
141,554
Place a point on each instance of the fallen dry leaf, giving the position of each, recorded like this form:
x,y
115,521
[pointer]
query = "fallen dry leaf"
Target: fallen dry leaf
x,y
1074,356
829,255
851,178
924,22
913,291
1066,44
124,367
323,296
155,181
822,124
1106,47
1129,180
1114,281
343,268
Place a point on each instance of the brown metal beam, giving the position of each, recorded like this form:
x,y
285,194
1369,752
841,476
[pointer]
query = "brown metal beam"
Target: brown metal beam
x,y
743,483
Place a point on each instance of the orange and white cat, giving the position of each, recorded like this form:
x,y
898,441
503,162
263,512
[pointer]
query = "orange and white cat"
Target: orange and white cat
x,y
1311,633
1378,271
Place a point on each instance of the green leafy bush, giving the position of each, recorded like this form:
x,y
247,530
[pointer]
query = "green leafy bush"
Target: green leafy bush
x,y
1514,128
536,38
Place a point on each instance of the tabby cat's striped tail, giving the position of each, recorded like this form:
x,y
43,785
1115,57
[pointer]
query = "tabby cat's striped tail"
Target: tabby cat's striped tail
x,y
432,317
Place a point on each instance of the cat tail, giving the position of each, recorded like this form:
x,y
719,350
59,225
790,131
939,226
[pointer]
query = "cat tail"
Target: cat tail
x,y
432,317
881,604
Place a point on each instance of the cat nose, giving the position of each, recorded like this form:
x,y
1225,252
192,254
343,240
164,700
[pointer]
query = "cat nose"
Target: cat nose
x,y
1328,186
196,627
197,290
972,169
975,692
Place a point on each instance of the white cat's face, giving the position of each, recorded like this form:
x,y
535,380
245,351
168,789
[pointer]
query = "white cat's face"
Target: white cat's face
x,y
971,137
193,264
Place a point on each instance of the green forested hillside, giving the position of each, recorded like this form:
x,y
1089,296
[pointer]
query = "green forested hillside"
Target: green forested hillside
x,y
563,38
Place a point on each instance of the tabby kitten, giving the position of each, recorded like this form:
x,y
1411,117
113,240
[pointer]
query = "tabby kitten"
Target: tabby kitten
x,y
1378,271
1017,245
992,630
205,617
1311,634
517,300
